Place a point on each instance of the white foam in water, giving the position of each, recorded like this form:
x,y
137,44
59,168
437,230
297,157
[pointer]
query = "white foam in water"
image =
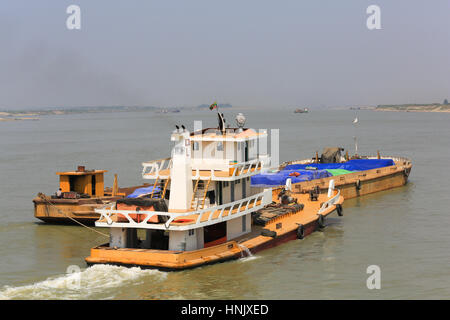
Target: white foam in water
x,y
249,256
81,285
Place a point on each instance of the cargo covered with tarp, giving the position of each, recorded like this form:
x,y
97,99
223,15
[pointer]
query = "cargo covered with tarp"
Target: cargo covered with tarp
x,y
351,165
338,172
306,172
279,178
144,191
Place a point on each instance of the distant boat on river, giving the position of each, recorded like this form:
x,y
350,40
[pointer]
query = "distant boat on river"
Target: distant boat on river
x,y
301,110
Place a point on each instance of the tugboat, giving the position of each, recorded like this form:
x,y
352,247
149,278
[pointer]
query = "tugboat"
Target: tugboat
x,y
301,110
207,211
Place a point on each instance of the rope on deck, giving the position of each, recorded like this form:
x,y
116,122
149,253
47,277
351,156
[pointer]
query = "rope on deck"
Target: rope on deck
x,y
40,195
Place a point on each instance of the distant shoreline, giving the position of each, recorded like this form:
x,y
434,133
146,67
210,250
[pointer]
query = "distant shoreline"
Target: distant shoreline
x,y
392,110
7,115
76,110
18,119
19,115
435,107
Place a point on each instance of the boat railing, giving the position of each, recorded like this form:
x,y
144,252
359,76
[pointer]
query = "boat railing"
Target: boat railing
x,y
202,217
238,170
396,159
330,202
152,169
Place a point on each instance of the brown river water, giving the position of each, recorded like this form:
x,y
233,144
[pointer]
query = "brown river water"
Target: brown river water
x,y
404,231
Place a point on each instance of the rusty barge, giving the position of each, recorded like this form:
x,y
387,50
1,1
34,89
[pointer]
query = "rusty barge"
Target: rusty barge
x,y
80,193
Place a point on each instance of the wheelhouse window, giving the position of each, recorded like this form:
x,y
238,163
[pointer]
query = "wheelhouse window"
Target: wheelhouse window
x,y
178,150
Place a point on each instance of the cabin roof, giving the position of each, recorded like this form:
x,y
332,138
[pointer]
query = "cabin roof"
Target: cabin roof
x,y
232,134
80,173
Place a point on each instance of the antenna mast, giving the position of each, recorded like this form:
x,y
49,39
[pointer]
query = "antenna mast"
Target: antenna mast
x,y
355,122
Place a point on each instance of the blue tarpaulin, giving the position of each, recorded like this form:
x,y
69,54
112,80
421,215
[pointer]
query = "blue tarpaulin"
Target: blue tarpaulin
x,y
316,171
142,191
279,178
351,165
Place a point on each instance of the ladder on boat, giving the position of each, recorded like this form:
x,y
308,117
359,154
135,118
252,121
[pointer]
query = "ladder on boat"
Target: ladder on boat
x,y
206,191
165,188
154,186
193,193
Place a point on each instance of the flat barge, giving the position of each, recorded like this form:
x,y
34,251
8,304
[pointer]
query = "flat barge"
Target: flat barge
x,y
360,183
80,193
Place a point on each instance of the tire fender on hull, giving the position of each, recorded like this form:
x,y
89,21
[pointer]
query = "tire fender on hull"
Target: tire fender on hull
x,y
268,233
339,210
300,231
321,221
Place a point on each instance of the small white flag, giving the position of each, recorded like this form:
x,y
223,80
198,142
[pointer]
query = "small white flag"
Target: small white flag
x,y
356,120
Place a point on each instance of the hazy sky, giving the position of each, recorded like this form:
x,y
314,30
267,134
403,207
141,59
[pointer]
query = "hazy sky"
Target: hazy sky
x,y
247,53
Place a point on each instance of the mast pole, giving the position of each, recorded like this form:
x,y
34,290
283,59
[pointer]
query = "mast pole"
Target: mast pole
x,y
355,122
